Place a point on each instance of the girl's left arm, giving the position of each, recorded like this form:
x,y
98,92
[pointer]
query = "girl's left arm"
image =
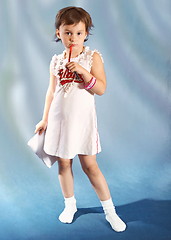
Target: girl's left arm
x,y
97,71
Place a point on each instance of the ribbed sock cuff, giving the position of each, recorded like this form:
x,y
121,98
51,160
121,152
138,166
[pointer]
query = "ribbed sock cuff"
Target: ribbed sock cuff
x,y
108,206
70,200
107,203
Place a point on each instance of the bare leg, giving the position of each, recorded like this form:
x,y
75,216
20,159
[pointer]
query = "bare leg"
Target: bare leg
x,y
66,177
67,185
90,167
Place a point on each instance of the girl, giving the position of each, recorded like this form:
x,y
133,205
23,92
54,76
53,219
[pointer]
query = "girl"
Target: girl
x,y
69,118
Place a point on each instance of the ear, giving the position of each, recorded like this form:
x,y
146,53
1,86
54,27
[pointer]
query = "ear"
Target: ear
x,y
86,35
58,33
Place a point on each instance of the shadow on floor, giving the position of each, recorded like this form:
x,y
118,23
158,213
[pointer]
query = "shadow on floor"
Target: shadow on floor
x,y
147,211
83,211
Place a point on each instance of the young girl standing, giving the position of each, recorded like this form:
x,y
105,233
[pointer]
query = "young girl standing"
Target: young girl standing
x,y
69,118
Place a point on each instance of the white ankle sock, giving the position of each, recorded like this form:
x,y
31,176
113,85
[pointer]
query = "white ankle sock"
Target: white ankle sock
x,y
111,216
70,209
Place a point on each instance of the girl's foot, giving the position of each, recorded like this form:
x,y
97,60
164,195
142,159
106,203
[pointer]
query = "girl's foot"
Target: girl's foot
x,y
111,216
70,209
116,223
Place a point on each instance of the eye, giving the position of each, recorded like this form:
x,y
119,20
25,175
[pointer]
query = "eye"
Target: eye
x,y
68,33
79,33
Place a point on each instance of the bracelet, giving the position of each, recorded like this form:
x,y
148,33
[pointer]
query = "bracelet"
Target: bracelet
x,y
91,83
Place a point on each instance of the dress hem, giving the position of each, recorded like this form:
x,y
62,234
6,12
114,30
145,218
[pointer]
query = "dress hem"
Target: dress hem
x,y
58,155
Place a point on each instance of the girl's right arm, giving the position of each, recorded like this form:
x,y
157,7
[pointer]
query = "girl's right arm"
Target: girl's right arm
x,y
42,125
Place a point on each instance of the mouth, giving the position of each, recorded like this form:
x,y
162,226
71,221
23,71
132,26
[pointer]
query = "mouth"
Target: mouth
x,y
72,45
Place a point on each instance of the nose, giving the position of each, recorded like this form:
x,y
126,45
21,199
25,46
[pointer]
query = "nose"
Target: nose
x,y
72,39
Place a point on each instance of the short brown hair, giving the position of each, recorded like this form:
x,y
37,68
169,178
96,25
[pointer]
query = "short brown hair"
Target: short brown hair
x,y
73,15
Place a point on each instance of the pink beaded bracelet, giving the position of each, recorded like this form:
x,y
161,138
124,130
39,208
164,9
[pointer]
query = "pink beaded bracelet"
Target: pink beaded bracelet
x,y
91,83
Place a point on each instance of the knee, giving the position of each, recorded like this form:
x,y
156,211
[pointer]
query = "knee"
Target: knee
x,y
64,164
92,170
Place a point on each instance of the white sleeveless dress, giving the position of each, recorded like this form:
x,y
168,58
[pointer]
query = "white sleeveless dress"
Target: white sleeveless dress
x,y
72,122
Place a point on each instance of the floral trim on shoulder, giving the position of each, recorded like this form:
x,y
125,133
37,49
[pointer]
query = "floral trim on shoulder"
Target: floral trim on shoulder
x,y
53,65
91,57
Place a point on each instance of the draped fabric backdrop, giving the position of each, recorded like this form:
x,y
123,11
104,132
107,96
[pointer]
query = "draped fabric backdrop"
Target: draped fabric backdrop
x,y
133,115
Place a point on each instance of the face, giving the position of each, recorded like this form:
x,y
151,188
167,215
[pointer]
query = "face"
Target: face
x,y
72,35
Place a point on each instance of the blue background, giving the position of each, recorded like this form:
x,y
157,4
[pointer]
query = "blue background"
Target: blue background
x,y
133,118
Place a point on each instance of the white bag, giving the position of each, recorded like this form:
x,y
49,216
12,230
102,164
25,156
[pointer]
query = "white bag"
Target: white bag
x,y
36,143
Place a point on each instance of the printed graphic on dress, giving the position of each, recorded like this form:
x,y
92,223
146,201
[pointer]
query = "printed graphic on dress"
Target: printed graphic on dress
x,y
67,76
